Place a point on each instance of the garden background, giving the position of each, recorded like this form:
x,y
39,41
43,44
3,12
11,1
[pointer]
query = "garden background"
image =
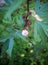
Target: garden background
x,y
23,32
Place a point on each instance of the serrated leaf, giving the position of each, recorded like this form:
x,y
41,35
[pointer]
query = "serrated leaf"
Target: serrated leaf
x,y
41,11
3,39
43,14
44,7
45,28
13,7
8,20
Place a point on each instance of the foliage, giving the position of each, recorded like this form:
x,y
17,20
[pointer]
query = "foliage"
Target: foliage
x,y
16,48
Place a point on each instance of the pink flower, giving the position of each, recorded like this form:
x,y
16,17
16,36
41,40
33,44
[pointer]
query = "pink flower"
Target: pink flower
x,y
24,32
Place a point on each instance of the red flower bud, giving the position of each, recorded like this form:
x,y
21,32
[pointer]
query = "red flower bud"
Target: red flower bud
x,y
29,13
29,22
24,17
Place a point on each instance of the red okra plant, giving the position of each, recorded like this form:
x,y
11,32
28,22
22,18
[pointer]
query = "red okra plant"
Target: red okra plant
x,y
23,27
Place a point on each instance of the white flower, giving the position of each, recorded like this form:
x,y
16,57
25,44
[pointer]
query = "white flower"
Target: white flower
x,y
36,16
24,32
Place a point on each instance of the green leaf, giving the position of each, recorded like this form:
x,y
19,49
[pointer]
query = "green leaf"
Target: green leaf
x,y
11,44
43,14
5,47
37,5
44,7
8,20
42,33
9,1
3,39
4,8
45,28
41,11
19,21
13,7
36,35
35,30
